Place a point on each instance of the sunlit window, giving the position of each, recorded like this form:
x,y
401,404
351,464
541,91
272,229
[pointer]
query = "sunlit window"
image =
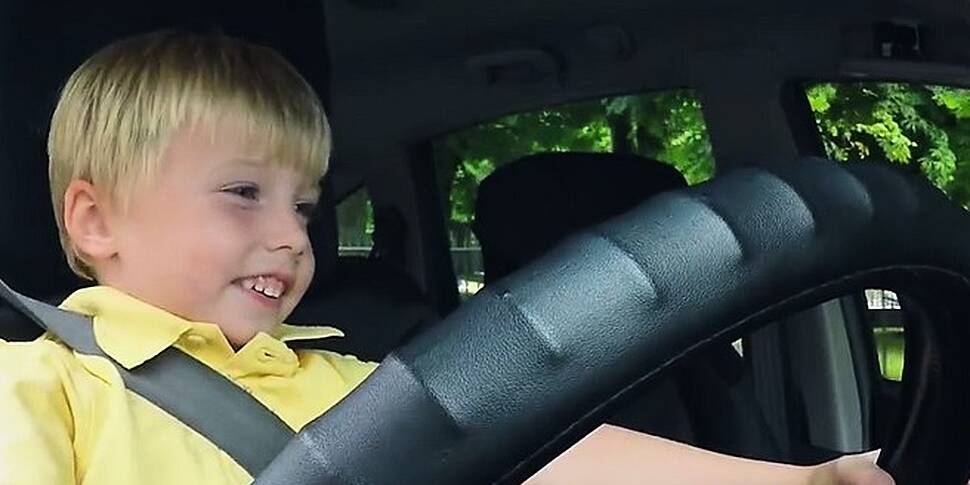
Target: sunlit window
x,y
666,126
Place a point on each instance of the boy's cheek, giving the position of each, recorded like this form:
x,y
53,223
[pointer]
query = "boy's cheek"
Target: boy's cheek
x,y
302,288
307,266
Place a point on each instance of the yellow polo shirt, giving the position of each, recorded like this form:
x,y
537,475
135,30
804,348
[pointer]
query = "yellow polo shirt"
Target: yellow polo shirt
x,y
66,418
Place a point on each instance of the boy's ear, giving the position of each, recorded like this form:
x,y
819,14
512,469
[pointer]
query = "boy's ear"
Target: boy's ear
x,y
86,220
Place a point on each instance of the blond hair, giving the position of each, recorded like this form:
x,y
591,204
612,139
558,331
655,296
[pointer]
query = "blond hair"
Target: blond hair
x,y
118,110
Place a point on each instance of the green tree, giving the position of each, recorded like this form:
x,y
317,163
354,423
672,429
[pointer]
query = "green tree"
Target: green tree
x,y
925,128
667,126
355,220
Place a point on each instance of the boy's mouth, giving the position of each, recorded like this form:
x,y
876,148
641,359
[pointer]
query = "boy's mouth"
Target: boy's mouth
x,y
269,286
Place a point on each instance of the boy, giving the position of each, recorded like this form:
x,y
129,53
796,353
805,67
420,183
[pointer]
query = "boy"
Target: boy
x,y
183,170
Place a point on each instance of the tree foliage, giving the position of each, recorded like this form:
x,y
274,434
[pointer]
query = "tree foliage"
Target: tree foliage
x,y
666,126
925,128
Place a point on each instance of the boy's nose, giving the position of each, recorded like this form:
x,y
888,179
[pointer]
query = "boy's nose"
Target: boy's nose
x,y
288,232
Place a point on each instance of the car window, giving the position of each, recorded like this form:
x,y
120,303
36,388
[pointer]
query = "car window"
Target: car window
x,y
667,126
886,318
925,128
355,224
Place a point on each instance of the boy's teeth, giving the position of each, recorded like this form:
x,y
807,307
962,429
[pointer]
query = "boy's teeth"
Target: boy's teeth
x,y
270,287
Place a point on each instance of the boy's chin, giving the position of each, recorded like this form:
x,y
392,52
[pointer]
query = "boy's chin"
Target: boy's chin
x,y
241,328
238,337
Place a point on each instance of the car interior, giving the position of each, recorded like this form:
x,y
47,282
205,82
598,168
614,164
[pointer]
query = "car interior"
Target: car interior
x,y
778,360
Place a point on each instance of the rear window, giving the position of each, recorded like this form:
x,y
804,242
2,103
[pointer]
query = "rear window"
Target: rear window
x,y
667,126
355,224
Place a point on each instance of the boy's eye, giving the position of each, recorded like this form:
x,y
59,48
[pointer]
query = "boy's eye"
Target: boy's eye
x,y
249,192
306,210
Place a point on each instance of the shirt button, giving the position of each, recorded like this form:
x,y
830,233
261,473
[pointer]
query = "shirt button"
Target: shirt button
x,y
196,339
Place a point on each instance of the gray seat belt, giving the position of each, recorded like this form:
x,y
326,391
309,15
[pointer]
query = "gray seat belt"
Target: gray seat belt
x,y
187,389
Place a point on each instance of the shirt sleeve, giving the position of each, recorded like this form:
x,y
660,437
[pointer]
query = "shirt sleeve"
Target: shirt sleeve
x,y
36,438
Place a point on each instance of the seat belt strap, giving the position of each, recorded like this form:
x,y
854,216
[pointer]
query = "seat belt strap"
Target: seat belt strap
x,y
180,385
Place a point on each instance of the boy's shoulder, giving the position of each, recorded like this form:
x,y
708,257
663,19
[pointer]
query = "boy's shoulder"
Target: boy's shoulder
x,y
44,348
42,363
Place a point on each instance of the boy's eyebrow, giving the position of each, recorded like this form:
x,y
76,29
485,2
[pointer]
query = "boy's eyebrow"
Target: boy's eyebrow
x,y
227,164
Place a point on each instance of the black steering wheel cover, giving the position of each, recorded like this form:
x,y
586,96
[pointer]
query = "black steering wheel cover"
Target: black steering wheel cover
x,y
527,367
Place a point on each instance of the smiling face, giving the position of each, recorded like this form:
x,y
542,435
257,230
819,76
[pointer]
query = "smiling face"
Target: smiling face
x,y
218,236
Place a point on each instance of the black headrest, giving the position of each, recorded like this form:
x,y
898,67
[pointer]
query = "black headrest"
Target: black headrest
x,y
527,206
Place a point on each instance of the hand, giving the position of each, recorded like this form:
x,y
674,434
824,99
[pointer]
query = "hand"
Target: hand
x,y
851,470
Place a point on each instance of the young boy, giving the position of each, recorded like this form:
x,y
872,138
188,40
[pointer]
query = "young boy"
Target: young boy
x,y
183,170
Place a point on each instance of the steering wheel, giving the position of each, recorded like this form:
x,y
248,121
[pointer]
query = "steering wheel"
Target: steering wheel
x,y
534,362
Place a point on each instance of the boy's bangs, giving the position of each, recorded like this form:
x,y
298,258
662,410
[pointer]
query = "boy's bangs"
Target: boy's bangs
x,y
280,116
300,144
219,80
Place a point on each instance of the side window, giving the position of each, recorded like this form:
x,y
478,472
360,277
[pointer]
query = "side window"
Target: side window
x,y
886,318
925,128
355,224
666,126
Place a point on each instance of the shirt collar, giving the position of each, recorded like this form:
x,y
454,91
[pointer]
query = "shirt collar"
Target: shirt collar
x,y
289,333
131,331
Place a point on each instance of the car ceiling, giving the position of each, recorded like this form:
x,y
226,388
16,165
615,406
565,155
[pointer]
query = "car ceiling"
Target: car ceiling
x,y
402,70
